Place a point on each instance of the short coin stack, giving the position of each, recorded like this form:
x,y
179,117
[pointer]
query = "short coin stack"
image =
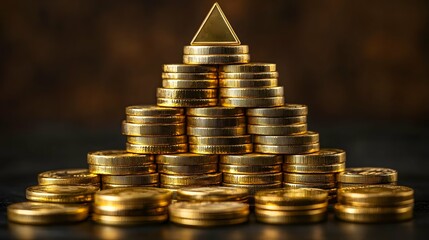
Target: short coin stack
x,y
155,130
281,130
218,130
188,169
289,206
375,203
130,206
208,214
251,171
315,170
188,86
216,55
353,177
119,168
69,177
243,86
213,194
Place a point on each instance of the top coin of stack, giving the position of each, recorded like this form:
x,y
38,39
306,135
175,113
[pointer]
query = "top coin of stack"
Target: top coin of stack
x,y
250,85
213,194
155,130
69,176
216,55
353,177
188,86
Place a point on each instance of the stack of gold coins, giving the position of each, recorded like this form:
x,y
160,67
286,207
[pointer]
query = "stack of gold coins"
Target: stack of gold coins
x,y
187,169
281,130
250,85
375,203
290,206
353,177
251,171
120,168
188,86
218,130
213,194
61,193
155,130
208,214
46,213
216,55
315,170
131,206
69,177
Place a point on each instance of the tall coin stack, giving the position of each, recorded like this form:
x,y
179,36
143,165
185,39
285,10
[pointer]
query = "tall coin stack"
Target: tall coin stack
x,y
155,130
188,170
314,170
250,85
251,171
218,130
353,177
188,86
119,168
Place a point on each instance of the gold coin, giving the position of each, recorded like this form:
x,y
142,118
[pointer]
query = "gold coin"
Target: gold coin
x,y
290,217
248,75
131,179
187,169
309,178
276,120
215,112
249,169
251,159
139,197
150,110
185,68
175,188
190,76
277,130
339,167
122,170
329,185
220,140
216,59
156,149
288,110
221,149
204,179
247,83
67,177
118,158
297,139
208,223
368,175
254,188
106,186
61,193
291,197
128,220
288,149
343,185
172,102
251,92
216,122
209,210
207,50
156,120
252,178
157,140
252,102
186,159
274,207
186,93
125,211
325,156
186,83
250,67
376,196
226,131
373,215
137,129
46,213
214,193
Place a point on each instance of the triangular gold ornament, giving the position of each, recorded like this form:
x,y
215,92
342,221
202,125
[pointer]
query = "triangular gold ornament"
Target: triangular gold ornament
x,y
215,30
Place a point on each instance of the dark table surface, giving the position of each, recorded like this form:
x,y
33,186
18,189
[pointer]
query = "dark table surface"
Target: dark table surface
x,y
401,146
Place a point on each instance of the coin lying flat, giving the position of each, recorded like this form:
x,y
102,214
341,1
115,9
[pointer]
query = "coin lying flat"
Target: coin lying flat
x,y
283,121
186,68
128,220
138,129
325,156
46,213
150,110
213,59
376,195
208,223
186,159
156,149
192,102
373,214
220,140
139,196
68,176
248,75
368,175
106,186
209,210
301,168
277,130
193,84
122,170
297,139
254,188
252,102
118,158
217,122
288,110
287,149
249,169
206,179
61,193
131,179
308,177
251,92
215,112
250,67
156,119
187,169
251,159
186,93
292,197
221,149
157,140
252,179
225,131
244,83
215,193
190,76
205,50
290,217
125,211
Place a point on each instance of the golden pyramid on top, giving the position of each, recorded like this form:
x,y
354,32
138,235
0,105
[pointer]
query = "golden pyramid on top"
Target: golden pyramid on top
x,y
215,30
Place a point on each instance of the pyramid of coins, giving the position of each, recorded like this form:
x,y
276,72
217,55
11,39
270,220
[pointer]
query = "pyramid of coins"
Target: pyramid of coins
x,y
220,143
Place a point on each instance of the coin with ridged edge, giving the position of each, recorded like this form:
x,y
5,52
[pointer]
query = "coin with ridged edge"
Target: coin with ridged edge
x,y
156,149
288,110
217,122
207,50
209,210
186,83
205,179
106,186
368,175
373,214
287,149
157,140
376,196
186,93
254,188
226,131
185,68
137,129
291,197
141,197
219,140
252,102
118,158
151,110
247,83
329,185
155,119
68,176
249,67
124,211
215,193
208,223
131,179
190,76
173,102
339,167
251,92
61,193
251,159
215,112
297,139
187,169
252,179
186,159
277,130
122,170
309,178
290,217
221,149
249,169
276,120
324,156
214,59
248,75
128,220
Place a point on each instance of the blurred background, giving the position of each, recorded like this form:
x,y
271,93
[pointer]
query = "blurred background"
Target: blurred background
x,y
68,68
